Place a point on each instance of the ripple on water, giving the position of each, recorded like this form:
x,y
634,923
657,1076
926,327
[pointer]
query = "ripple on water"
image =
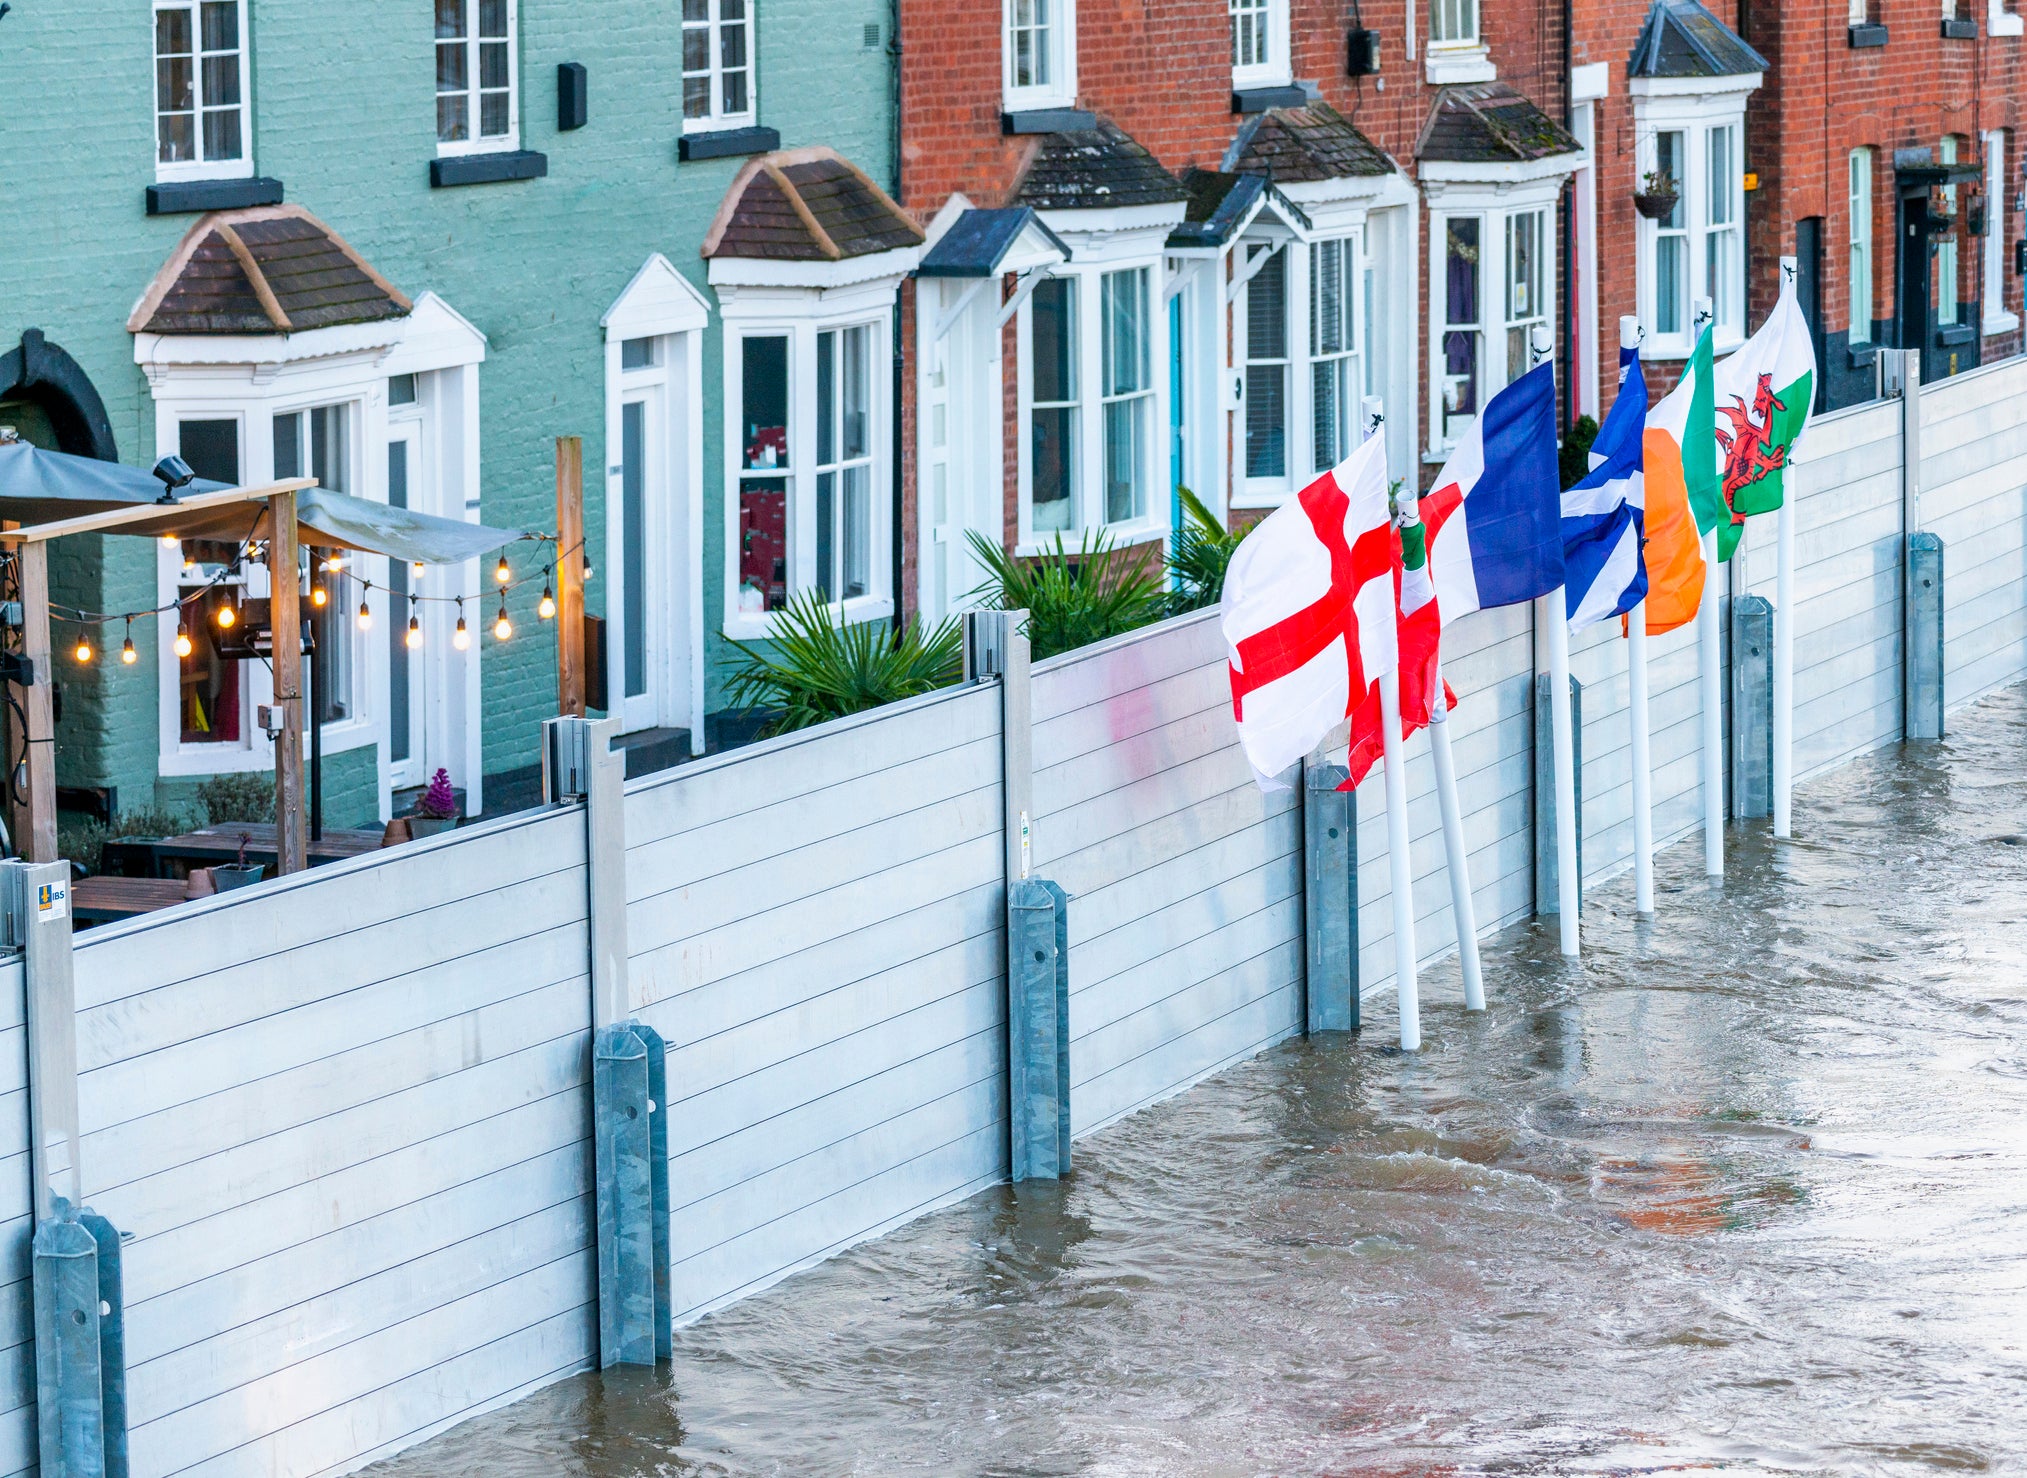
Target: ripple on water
x,y
1741,1193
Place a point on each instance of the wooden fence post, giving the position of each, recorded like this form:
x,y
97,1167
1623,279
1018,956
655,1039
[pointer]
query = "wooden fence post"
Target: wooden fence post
x,y
285,632
570,576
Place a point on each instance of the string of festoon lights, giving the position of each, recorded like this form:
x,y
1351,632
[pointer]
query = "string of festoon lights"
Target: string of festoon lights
x,y
227,615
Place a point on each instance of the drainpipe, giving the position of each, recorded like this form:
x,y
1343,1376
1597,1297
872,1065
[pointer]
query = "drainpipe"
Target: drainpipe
x,y
898,526
1569,226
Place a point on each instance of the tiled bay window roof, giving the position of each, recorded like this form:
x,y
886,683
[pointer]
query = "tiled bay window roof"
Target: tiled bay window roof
x,y
1681,39
1490,123
1297,145
1095,169
807,205
269,270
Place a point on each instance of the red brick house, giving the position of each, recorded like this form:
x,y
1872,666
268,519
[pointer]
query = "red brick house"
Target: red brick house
x,y
1188,240
1875,147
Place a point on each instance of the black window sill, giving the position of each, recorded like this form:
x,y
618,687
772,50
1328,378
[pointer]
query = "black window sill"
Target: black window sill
x,y
1264,99
1862,355
727,143
1960,30
487,169
1864,36
1957,333
186,197
1048,120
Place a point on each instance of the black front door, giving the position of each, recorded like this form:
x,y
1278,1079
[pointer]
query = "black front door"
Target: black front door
x,y
1809,293
1914,294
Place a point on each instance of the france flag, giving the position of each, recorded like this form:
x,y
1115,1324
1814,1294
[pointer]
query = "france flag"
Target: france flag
x,y
1604,516
1494,536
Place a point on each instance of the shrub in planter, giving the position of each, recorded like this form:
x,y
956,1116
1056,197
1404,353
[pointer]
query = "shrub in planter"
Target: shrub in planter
x,y
437,809
817,668
1073,597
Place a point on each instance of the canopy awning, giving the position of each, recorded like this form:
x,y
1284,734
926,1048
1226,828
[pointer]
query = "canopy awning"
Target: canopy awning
x,y
38,486
324,519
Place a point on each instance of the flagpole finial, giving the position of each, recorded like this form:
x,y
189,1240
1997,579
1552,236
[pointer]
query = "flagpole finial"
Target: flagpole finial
x,y
1540,344
1375,413
1702,316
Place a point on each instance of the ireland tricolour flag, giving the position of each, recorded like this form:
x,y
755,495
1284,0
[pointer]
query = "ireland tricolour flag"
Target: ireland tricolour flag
x,y
1763,395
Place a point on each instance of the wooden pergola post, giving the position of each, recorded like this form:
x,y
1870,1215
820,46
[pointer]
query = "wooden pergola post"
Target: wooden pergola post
x,y
285,627
33,823
570,576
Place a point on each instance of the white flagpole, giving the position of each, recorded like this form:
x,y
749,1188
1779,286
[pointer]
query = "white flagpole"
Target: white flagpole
x,y
1784,640
1711,658
1636,691
1401,869
1556,616
1462,909
1552,611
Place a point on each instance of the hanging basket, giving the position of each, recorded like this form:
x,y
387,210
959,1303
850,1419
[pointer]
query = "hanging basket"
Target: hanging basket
x,y
1656,205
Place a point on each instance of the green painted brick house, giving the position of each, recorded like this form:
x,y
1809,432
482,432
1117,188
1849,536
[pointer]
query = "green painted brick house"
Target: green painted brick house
x,y
402,246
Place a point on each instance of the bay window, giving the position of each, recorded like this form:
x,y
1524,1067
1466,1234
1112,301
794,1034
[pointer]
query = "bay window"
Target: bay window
x,y
1090,402
1334,388
1128,394
1860,272
1691,145
203,107
1039,53
809,438
717,64
477,102
1492,287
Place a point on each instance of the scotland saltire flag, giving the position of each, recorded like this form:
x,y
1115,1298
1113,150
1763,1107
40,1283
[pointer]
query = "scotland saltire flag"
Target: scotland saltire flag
x,y
1603,516
1493,517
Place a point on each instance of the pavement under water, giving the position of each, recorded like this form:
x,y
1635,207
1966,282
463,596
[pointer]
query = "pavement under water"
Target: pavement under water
x,y
1745,1190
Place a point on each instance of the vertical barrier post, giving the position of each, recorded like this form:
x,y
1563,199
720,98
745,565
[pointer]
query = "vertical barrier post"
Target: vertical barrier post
x,y
996,647
1752,707
80,1310
1547,850
1925,636
1910,521
629,1087
1037,1062
1329,898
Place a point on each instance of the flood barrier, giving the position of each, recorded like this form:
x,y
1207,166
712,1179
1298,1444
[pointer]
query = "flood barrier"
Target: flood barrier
x,y
348,1121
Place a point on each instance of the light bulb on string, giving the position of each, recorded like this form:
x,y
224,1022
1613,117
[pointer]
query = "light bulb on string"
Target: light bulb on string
x,y
502,627
319,597
414,637
128,656
334,562
502,572
228,616
546,607
183,647
418,569
83,652
587,572
365,616
170,541
461,638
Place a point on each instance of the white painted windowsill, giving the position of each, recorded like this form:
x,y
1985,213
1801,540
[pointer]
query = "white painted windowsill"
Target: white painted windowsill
x,y
2000,323
752,626
1445,65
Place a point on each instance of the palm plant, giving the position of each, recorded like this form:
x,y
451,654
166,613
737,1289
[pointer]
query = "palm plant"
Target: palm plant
x,y
818,668
1073,597
1203,552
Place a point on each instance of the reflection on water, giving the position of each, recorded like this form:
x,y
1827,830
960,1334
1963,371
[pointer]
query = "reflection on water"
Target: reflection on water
x,y
1741,1191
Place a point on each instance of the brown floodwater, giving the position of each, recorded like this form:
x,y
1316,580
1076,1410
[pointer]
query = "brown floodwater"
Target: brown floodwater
x,y
1744,1191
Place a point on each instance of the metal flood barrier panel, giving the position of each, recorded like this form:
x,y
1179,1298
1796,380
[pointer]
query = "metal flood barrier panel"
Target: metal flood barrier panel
x,y
1974,496
17,1227
1185,881
816,927
343,1117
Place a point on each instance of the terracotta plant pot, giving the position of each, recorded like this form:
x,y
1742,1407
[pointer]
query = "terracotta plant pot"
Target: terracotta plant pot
x,y
1655,206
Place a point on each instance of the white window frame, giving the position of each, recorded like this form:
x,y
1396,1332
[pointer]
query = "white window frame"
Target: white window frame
x,y
1693,108
800,315
1059,51
1457,52
1859,224
1949,250
1494,207
1092,258
1998,319
1269,65
1999,21
201,168
714,27
253,379
472,42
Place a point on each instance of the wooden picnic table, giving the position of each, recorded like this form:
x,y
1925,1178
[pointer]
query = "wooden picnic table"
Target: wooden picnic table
x,y
101,900
152,857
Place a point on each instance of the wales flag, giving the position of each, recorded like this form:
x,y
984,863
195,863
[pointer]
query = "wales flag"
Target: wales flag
x,y
1763,396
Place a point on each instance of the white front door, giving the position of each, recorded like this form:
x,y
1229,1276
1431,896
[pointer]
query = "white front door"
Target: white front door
x,y
649,602
408,665
643,658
